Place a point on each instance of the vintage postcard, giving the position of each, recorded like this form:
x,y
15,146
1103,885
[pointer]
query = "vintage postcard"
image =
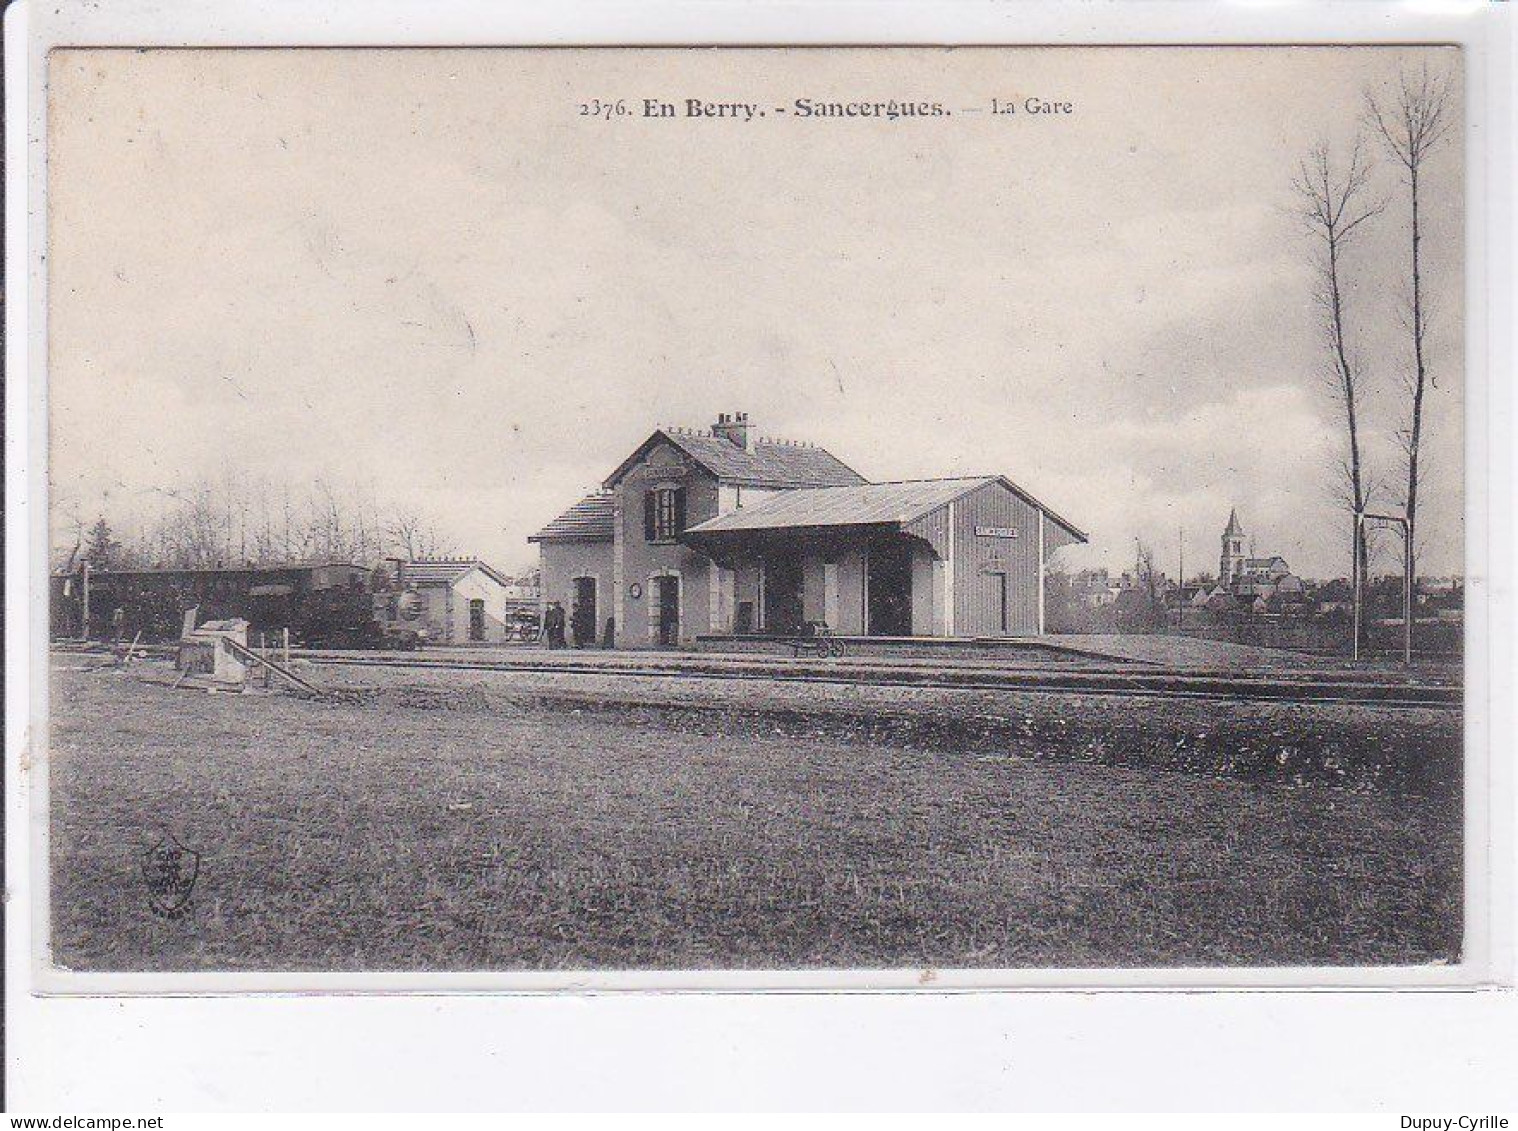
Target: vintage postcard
x,y
934,515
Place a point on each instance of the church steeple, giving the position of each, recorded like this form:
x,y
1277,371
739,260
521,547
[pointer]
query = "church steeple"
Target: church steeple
x,y
1231,564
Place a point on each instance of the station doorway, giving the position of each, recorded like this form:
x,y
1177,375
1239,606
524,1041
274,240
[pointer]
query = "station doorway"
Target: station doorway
x,y
667,606
889,589
585,597
782,596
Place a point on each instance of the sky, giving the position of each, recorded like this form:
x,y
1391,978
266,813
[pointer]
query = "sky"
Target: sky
x,y
426,272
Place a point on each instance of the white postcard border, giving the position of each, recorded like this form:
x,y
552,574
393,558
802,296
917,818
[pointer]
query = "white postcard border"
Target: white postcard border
x,y
1484,32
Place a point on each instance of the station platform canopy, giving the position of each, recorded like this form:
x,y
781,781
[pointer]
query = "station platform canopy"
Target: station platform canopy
x,y
879,505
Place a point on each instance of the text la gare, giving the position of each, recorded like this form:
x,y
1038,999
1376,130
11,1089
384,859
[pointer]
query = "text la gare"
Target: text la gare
x,y
1033,105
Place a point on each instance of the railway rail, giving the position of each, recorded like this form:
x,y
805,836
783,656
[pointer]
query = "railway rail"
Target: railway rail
x,y
1292,686
1279,687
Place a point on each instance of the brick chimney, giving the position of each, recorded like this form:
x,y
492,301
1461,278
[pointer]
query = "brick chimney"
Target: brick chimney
x,y
734,428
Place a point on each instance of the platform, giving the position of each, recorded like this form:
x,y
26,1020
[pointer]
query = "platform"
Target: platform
x,y
1011,649
1171,653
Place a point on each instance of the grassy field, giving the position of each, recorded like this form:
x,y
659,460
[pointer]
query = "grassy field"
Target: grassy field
x,y
446,823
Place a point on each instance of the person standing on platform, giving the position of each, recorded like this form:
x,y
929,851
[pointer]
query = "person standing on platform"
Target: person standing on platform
x,y
553,625
582,632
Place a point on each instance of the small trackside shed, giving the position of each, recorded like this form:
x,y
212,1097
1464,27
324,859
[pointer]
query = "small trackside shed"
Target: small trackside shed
x,y
458,600
958,557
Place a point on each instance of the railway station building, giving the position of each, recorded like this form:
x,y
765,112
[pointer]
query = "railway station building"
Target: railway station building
x,y
718,533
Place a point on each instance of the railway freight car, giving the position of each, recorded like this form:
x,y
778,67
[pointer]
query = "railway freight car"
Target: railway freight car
x,y
321,604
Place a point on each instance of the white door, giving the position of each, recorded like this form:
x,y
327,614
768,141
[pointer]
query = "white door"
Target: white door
x,y
830,594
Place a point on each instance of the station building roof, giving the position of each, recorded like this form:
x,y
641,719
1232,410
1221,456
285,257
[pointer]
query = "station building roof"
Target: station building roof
x,y
592,519
765,463
863,504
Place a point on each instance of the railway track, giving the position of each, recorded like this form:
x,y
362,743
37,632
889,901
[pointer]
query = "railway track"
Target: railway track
x,y
1336,687
1321,687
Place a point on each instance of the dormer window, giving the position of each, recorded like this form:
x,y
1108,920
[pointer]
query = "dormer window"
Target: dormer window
x,y
663,514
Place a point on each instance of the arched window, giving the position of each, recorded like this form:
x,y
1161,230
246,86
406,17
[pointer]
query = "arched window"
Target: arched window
x,y
663,514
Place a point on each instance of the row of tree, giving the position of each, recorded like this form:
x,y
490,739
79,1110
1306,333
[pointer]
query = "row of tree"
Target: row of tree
x,y
238,520
1338,201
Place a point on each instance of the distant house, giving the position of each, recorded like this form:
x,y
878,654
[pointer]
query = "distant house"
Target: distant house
x,y
1247,589
1136,609
1442,598
1291,589
1220,600
1271,568
458,600
1289,596
1093,588
1440,587
1333,596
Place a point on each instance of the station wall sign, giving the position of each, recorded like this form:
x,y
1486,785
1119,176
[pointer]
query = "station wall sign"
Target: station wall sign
x,y
996,532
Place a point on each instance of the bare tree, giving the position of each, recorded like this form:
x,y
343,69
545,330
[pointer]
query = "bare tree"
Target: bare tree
x,y
197,530
267,545
1412,124
68,532
405,533
230,519
1140,607
412,535
1334,203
